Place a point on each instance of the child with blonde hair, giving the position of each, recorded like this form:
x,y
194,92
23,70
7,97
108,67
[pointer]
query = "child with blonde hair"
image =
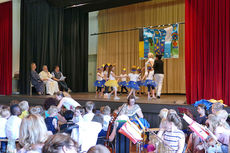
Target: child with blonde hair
x,y
51,121
4,115
24,106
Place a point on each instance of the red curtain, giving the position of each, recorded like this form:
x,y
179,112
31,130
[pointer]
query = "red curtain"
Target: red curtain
x,y
6,48
207,50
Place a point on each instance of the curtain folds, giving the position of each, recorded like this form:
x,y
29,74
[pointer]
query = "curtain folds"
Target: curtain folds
x,y
75,54
42,41
6,48
207,50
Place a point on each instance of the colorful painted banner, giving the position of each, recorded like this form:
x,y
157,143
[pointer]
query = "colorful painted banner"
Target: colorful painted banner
x,y
175,43
163,42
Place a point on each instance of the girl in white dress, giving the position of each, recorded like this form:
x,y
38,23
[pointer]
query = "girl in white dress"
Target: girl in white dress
x,y
112,82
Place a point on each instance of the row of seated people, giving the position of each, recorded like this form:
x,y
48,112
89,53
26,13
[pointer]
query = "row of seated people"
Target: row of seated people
x,y
52,81
34,126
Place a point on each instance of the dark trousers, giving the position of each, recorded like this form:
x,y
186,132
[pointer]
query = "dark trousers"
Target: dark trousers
x,y
124,88
149,87
63,85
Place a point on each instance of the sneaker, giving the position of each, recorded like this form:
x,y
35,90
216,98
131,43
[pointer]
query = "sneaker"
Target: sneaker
x,y
109,96
149,98
116,98
158,97
69,90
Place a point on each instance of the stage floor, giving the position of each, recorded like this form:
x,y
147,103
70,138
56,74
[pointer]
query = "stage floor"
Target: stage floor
x,y
142,99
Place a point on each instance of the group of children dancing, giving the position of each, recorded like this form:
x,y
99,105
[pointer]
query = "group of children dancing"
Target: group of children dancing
x,y
138,77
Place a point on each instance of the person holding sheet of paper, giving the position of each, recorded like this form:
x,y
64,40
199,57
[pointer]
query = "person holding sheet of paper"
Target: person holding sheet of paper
x,y
58,76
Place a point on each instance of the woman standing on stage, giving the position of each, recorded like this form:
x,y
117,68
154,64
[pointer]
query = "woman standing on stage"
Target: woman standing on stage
x,y
112,82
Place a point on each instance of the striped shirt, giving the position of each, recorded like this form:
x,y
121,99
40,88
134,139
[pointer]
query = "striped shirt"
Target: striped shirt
x,y
172,138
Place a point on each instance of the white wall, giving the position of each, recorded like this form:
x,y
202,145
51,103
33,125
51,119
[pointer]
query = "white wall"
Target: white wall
x,y
93,28
16,39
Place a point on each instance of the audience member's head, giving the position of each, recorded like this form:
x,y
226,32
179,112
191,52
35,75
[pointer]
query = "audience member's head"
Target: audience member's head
x,y
15,110
53,111
98,118
98,149
216,107
5,113
32,131
34,110
163,113
49,102
13,102
60,143
24,106
89,106
222,116
68,115
173,117
40,109
212,122
131,100
201,109
106,110
79,111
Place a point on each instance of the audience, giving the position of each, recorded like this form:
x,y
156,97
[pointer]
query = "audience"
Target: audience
x,y
65,100
24,106
33,134
38,130
86,131
51,121
89,106
4,115
13,123
69,118
217,107
98,149
60,143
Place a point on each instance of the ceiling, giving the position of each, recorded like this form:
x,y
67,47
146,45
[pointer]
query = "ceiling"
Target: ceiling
x,y
92,5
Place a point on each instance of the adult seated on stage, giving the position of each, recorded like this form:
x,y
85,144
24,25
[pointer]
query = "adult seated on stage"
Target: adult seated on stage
x,y
58,76
36,81
46,77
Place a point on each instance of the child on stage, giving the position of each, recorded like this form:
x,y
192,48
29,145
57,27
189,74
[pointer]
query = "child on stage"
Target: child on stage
x,y
112,82
123,82
105,78
99,83
133,76
149,82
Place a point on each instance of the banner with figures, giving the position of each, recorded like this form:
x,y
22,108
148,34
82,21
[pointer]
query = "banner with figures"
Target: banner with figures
x,y
163,42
